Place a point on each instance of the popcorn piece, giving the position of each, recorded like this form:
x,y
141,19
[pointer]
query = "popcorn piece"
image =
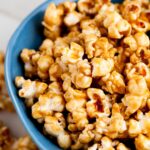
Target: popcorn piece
x,y
72,18
47,47
81,74
131,10
74,99
142,142
113,83
106,144
81,81
66,81
101,67
24,143
132,102
98,105
121,146
140,25
142,126
55,88
117,124
53,15
134,128
5,138
80,118
117,27
30,89
52,20
43,64
130,43
30,58
141,55
72,55
59,46
89,7
137,86
139,69
86,136
55,72
69,6
54,126
102,46
100,127
47,104
142,39
90,33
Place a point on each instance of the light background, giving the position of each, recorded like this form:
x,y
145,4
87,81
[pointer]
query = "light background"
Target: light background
x,y
12,12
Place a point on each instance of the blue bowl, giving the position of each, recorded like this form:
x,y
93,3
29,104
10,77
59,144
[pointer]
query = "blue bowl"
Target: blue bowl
x,y
28,35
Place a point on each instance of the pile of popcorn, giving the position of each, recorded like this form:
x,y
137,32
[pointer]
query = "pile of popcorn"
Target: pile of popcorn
x,y
88,84
7,141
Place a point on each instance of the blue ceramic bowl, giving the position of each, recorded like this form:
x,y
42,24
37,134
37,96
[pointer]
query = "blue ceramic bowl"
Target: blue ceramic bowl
x,y
28,35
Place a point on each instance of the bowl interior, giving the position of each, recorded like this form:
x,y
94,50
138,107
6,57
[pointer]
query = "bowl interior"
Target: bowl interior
x,y
28,35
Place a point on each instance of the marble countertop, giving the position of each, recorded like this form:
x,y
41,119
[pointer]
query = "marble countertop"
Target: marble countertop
x,y
12,12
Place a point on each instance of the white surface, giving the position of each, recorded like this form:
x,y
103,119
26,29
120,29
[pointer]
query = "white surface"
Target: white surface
x,y
12,12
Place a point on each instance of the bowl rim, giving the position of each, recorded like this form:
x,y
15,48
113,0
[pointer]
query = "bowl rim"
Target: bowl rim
x,y
13,40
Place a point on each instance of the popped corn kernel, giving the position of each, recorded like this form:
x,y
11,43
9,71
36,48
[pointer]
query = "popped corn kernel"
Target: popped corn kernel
x,y
99,103
30,58
131,10
80,118
142,142
43,64
24,143
72,18
55,72
89,7
117,124
134,128
53,19
47,47
72,54
30,89
113,83
142,39
132,102
69,6
140,25
81,74
90,33
121,146
101,67
75,99
130,43
86,136
54,126
47,104
102,46
137,86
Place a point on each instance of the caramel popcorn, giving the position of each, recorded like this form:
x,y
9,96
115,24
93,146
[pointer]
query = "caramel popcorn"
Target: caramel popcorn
x,y
54,125
24,143
101,66
142,142
113,83
89,82
99,103
5,138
